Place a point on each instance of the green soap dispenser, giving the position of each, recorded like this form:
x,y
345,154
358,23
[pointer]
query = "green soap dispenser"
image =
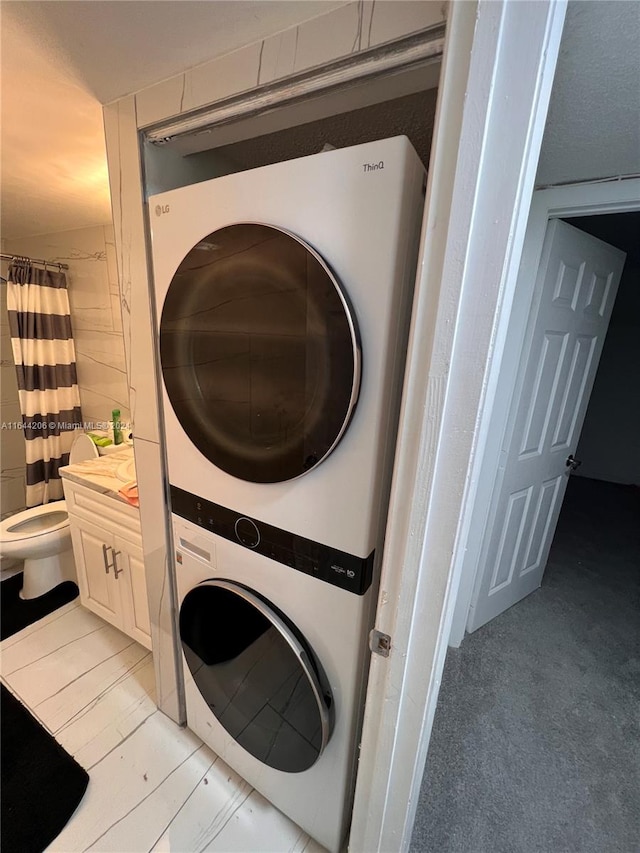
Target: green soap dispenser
x,y
117,432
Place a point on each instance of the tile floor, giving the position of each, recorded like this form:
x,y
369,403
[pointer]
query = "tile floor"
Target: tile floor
x,y
153,786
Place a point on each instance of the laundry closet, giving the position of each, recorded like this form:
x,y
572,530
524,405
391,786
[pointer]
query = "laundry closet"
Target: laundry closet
x,y
267,248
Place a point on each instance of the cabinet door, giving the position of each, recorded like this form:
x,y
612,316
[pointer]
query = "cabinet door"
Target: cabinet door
x,y
133,592
98,591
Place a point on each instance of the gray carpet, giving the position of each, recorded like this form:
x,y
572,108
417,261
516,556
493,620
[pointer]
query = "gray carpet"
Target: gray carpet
x,y
536,739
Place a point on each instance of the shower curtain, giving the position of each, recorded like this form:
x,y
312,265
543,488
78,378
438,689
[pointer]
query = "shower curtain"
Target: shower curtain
x,y
45,359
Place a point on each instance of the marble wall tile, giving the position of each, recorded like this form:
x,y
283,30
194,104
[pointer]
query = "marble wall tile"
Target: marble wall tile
x,y
116,313
13,491
328,38
4,319
8,381
278,56
84,250
391,19
112,261
12,453
98,347
128,212
339,32
97,408
12,450
160,100
102,374
229,74
89,292
160,581
12,462
367,16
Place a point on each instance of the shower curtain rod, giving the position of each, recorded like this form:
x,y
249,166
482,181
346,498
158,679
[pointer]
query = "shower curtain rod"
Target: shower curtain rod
x,y
41,263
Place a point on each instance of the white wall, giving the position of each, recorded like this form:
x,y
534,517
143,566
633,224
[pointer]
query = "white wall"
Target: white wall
x,y
609,444
96,319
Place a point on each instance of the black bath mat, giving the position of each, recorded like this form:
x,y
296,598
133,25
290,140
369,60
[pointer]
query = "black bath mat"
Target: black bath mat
x,y
42,784
16,614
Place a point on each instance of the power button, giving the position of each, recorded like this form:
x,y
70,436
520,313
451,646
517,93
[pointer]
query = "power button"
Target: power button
x,y
247,533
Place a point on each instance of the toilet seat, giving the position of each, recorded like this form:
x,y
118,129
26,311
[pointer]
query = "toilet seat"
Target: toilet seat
x,y
41,536
17,527
31,524
82,449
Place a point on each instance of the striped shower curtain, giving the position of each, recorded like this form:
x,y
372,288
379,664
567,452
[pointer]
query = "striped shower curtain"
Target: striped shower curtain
x,y
44,354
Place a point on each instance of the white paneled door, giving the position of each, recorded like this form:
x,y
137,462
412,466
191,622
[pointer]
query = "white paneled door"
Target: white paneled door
x,y
575,290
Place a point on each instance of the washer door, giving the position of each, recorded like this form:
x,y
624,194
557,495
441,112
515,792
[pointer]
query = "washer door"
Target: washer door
x,y
260,353
257,674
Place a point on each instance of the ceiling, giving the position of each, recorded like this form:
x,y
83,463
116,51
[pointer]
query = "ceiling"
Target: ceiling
x,y
593,125
61,60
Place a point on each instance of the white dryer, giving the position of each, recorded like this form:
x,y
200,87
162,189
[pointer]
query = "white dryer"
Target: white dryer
x,y
283,299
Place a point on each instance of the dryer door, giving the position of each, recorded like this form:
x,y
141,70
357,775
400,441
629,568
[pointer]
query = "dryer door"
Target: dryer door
x,y
257,674
260,353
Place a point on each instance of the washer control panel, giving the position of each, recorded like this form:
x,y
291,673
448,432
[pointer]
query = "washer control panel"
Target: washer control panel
x,y
327,564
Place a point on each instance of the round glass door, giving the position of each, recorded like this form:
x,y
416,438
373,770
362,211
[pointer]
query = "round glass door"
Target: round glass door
x,y
256,674
260,353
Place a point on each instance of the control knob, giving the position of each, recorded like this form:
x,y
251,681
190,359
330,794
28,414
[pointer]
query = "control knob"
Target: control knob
x,y
247,533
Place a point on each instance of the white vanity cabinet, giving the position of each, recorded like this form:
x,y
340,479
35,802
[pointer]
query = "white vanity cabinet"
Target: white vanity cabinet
x,y
107,547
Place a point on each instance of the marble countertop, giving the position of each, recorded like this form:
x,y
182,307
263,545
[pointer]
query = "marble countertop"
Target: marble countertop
x,y
106,474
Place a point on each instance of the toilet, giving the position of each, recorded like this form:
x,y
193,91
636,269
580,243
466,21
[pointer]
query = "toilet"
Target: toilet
x,y
42,538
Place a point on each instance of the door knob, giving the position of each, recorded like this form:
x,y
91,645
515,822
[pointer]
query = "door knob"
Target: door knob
x,y
572,462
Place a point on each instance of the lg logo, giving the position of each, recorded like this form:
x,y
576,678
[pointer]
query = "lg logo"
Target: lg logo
x,y
161,208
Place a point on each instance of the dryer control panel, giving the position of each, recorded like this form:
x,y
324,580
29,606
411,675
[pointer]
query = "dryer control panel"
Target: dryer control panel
x,y
330,565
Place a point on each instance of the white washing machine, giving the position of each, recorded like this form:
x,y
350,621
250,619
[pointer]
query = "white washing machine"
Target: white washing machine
x,y
283,299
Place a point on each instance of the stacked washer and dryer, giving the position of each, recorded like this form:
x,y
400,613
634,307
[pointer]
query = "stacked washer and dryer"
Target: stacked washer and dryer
x,y
283,299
